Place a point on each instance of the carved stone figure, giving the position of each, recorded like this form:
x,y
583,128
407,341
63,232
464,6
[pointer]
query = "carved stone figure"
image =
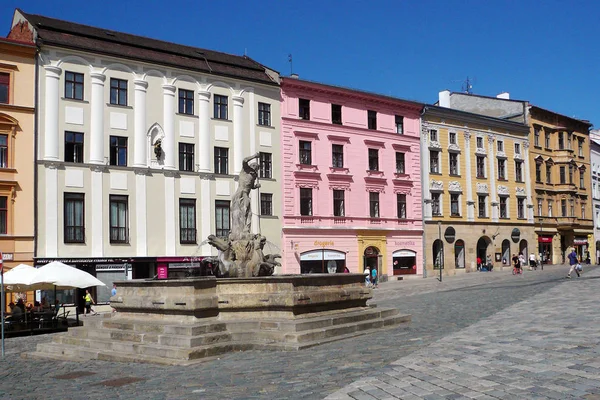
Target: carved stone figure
x,y
454,186
241,254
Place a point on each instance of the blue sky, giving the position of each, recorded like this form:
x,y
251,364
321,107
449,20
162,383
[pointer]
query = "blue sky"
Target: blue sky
x,y
546,52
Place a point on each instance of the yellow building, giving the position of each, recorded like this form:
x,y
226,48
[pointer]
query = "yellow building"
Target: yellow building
x,y
476,190
561,171
17,88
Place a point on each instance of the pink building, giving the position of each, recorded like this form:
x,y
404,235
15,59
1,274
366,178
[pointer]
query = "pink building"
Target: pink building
x,y
351,181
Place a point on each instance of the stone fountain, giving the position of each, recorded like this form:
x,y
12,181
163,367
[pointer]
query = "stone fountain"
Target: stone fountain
x,y
182,321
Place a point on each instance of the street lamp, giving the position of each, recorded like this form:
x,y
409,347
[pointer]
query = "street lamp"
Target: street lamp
x,y
441,264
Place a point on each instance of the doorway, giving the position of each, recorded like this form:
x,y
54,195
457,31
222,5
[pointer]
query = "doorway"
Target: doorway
x,y
371,259
482,247
459,254
506,252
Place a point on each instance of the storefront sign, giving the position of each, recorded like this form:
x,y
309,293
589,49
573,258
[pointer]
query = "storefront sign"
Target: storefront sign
x,y
404,253
110,267
8,256
41,261
162,272
322,255
580,240
324,243
515,235
183,265
545,239
409,243
450,234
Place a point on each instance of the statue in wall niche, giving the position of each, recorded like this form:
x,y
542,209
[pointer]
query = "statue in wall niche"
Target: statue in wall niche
x,y
241,253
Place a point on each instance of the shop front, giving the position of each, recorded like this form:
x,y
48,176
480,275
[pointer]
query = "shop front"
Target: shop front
x,y
580,243
181,267
322,261
545,248
404,262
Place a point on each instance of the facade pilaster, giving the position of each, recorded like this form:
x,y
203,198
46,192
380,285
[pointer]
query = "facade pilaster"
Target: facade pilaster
x,y
204,130
238,136
51,113
97,211
493,191
254,194
97,119
425,172
168,144
51,200
205,214
140,157
170,230
470,201
140,212
530,205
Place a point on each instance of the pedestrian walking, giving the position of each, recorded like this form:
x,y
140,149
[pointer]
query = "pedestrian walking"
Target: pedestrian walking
x,y
89,300
532,261
573,261
113,293
367,277
488,261
374,277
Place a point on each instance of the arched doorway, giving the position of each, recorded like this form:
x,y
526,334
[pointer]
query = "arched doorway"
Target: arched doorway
x,y
371,259
523,249
459,254
598,252
506,252
482,247
405,262
438,254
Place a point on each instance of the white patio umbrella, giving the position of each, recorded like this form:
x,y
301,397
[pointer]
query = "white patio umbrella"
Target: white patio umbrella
x,y
20,279
64,276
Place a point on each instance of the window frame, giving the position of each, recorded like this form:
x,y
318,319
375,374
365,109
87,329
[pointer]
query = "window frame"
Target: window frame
x,y
482,210
265,165
4,151
399,120
454,205
221,107
400,163
503,207
336,114
304,109
401,209
453,163
122,232
480,160
222,229
186,157
339,200
337,155
518,171
374,209
264,114
78,156
372,119
4,215
436,204
373,155
118,92
520,208
266,204
221,160
501,169
71,85
187,235
306,203
305,152
433,135
186,101
115,149
434,168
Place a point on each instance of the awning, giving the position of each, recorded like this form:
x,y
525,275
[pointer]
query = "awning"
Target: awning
x,y
317,255
545,239
580,241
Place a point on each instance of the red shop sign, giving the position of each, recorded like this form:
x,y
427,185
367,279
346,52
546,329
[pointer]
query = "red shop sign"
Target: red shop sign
x,y
545,239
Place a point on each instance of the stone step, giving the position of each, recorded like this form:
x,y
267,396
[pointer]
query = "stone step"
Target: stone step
x,y
158,327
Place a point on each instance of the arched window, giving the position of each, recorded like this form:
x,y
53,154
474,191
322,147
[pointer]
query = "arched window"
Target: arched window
x,y
438,254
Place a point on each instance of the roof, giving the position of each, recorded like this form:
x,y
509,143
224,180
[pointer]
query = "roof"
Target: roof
x,y
66,34
588,123
476,118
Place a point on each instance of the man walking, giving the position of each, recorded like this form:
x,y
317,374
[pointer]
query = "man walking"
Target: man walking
x,y
573,261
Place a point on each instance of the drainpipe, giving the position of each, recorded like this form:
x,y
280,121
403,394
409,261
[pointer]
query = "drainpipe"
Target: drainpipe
x,y
35,154
424,252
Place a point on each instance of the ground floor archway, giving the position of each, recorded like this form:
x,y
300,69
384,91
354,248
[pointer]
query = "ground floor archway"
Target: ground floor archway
x,y
523,249
459,254
483,249
506,252
404,262
438,254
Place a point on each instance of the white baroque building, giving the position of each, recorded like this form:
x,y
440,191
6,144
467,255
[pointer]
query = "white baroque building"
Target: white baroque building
x,y
139,143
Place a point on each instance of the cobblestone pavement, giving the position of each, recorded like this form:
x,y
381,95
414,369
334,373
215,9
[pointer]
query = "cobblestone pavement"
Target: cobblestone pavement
x,y
479,334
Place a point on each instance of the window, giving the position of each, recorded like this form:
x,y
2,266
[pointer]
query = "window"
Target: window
x,y
336,114
3,215
433,135
571,208
220,107
118,219
399,124
517,148
73,147
305,152
480,143
503,207
563,207
401,205
374,204
338,203
570,174
519,171
118,151
4,87
536,137
222,218
548,173
73,85
563,176
538,172
337,156
434,161
550,208
569,137
187,221
372,119
582,210
118,92
266,165
539,207
221,160
561,140
400,163
480,167
266,204
186,157
74,221
581,179
264,114
436,208
520,208
580,142
454,205
453,163
304,109
3,151
373,160
186,102
547,140
500,145
502,169
481,205
306,201
452,137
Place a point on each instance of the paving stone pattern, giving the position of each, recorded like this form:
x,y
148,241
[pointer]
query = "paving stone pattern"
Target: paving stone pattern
x,y
478,335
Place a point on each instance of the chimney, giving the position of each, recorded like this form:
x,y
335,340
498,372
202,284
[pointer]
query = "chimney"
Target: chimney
x,y
503,95
444,99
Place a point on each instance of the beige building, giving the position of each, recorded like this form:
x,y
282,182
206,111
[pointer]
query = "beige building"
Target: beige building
x,y
477,192
140,143
17,116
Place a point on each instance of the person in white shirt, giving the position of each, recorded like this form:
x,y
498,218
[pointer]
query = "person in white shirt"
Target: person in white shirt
x,y
532,261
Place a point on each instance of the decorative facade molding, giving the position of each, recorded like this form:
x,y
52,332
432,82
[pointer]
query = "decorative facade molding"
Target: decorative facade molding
x,y
454,148
491,138
503,190
467,135
434,145
454,186
480,151
482,188
520,192
518,156
436,185
501,154
402,190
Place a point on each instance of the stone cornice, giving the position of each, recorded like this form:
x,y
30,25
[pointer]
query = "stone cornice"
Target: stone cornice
x,y
13,107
